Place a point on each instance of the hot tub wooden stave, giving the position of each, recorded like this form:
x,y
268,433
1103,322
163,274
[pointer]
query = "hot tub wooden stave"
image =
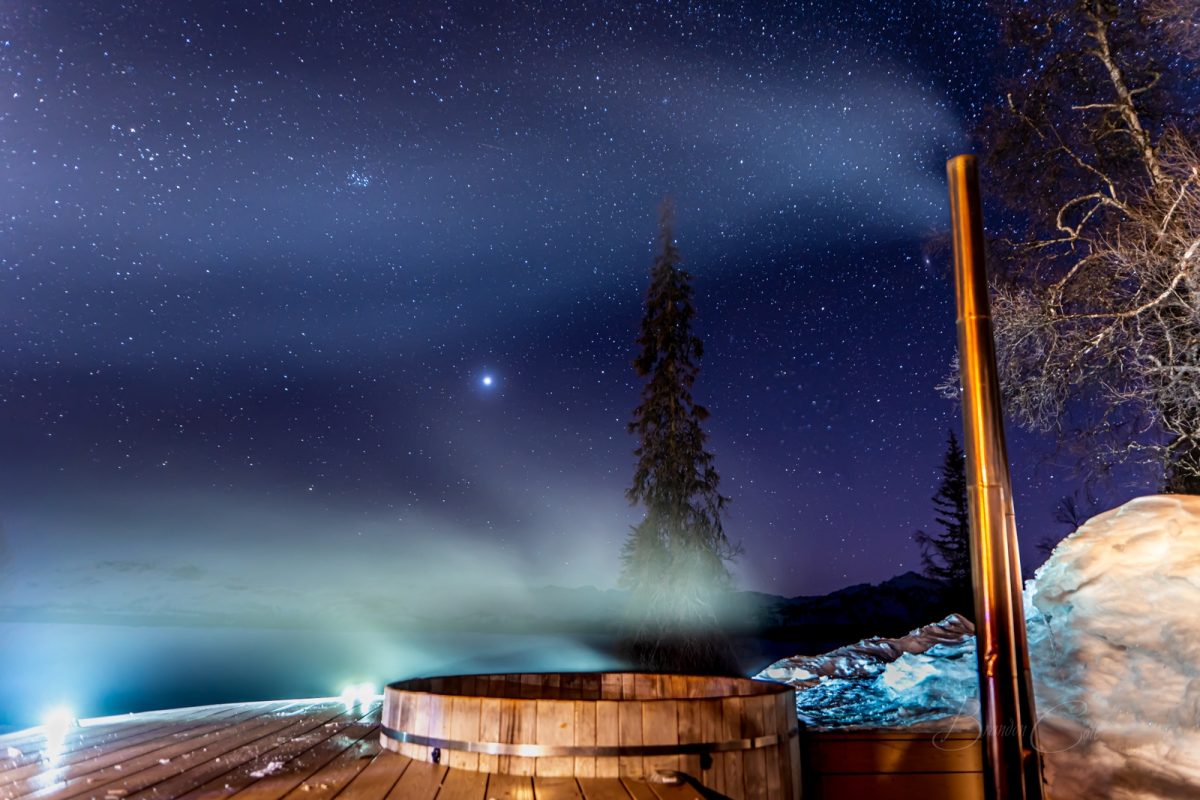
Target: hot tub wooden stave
x,y
734,735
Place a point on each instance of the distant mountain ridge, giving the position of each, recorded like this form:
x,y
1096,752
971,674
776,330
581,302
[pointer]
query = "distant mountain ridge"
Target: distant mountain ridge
x,y
888,608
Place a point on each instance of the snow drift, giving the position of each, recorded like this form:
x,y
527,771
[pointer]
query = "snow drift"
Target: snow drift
x,y
920,679
1114,632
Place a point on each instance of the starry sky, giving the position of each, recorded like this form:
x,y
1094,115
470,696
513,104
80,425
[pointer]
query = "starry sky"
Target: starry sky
x,y
313,287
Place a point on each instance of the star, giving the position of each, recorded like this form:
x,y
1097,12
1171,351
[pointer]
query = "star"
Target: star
x,y
320,265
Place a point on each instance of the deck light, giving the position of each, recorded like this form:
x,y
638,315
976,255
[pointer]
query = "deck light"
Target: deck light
x,y
59,719
358,694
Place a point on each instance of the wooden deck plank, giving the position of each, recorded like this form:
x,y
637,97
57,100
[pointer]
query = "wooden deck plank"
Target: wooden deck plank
x,y
330,779
461,784
269,761
378,778
307,763
420,781
37,761
222,772
675,791
603,789
509,787
639,790
34,739
130,776
39,776
556,789
31,777
110,751
37,734
33,748
319,749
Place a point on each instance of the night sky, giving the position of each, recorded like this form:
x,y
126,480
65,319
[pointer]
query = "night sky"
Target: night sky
x,y
314,289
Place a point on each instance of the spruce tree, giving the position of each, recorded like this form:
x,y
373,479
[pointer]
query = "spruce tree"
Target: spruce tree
x,y
946,555
674,561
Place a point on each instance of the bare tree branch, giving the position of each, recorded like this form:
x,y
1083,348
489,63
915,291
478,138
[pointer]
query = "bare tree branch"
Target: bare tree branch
x,y
1099,307
1179,21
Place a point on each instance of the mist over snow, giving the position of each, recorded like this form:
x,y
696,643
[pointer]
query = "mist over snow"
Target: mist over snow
x,y
235,560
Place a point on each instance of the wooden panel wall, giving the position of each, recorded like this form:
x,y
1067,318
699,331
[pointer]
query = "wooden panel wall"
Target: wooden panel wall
x,y
892,765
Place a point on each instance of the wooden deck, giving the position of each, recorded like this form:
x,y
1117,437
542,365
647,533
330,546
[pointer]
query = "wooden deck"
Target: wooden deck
x,y
299,750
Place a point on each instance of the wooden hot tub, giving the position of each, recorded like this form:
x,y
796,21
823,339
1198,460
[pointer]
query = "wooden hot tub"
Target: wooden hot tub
x,y
735,736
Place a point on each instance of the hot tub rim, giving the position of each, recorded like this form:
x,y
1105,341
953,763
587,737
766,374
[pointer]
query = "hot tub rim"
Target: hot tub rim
x,y
768,687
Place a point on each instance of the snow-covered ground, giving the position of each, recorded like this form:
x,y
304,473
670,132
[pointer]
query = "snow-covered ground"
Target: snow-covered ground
x,y
1114,632
924,679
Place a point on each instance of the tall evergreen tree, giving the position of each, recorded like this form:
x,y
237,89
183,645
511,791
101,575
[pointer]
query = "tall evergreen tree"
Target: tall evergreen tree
x,y
674,561
946,555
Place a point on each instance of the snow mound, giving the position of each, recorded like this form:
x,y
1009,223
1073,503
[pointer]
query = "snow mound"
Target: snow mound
x,y
1114,633
864,659
1114,628
912,680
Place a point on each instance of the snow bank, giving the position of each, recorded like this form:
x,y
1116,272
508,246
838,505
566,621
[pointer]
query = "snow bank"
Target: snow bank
x,y
1114,631
1114,624
913,680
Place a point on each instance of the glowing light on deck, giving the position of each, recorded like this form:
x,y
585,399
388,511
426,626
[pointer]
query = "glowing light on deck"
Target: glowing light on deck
x,y
59,718
57,721
358,694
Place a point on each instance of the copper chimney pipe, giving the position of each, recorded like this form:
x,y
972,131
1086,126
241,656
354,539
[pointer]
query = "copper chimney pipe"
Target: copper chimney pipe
x,y
1012,762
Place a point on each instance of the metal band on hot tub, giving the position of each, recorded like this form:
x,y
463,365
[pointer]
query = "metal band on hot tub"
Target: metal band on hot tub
x,y
543,750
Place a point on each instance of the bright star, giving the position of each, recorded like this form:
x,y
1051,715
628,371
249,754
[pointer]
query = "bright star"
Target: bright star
x,y
487,380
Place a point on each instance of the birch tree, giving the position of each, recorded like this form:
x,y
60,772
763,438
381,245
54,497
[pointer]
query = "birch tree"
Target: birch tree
x,y
1097,299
